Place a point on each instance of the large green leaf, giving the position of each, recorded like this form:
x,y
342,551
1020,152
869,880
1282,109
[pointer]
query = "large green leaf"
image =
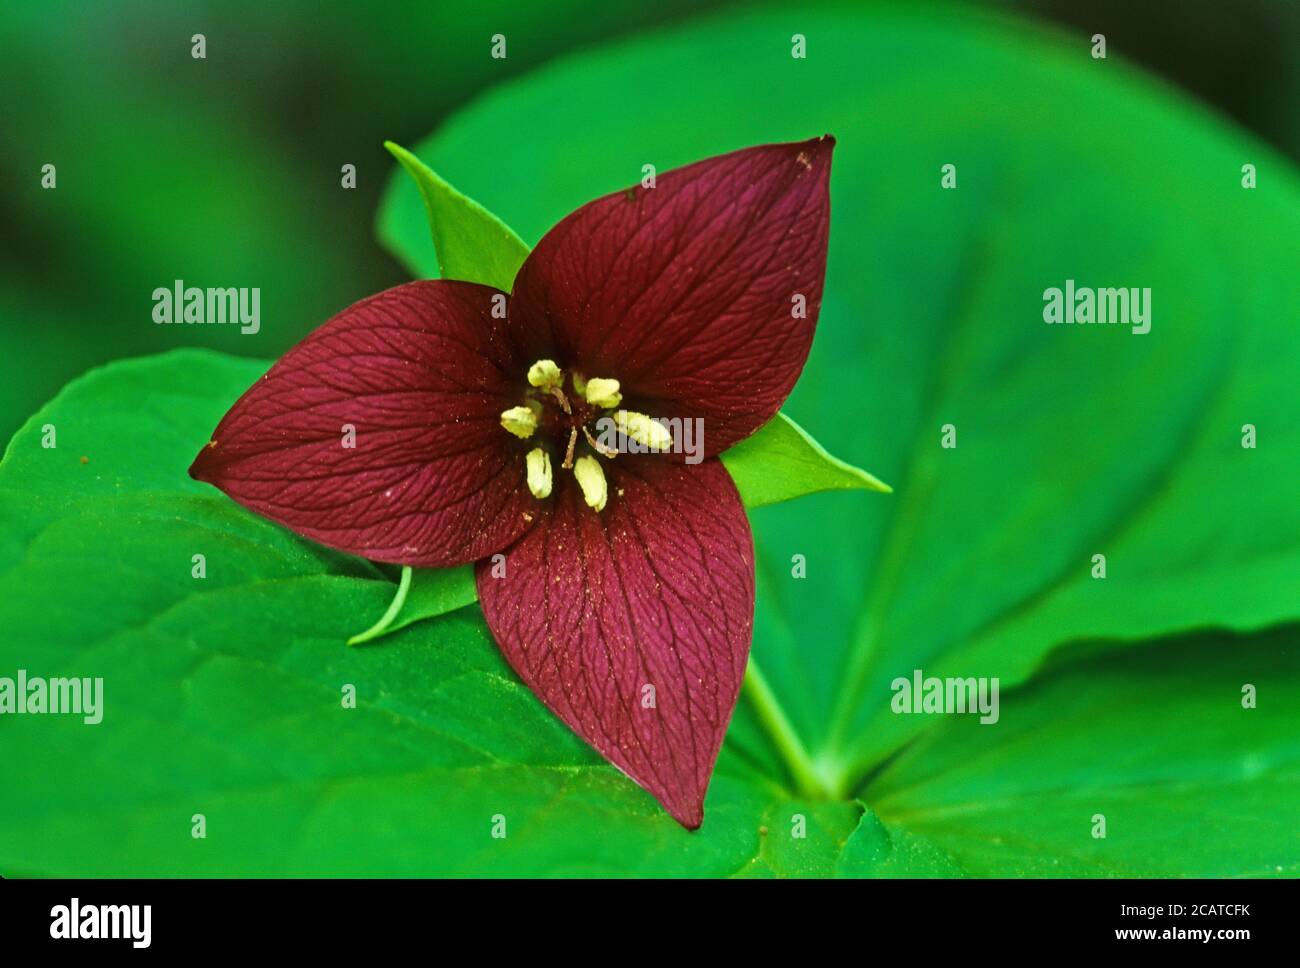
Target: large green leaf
x,y
224,695
1071,441
1189,774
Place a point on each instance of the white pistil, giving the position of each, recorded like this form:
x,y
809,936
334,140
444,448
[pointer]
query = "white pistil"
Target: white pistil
x,y
545,374
603,393
538,463
520,421
643,429
591,478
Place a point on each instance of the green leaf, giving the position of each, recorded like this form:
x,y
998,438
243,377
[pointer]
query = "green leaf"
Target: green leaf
x,y
422,593
471,243
225,696
878,849
228,696
782,461
1072,441
1160,744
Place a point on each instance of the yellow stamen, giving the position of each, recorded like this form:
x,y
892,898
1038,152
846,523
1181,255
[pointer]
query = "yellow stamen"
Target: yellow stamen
x,y
538,463
520,421
603,393
643,429
591,478
545,374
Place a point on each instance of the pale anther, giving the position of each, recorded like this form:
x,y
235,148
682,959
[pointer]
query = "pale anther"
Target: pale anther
x,y
603,393
545,374
520,421
591,478
538,463
643,429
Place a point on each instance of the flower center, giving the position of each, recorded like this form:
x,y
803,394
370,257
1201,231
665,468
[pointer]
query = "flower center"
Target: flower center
x,y
562,412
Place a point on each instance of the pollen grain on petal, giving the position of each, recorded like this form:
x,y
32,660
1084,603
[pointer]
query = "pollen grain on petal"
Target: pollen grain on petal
x,y
591,478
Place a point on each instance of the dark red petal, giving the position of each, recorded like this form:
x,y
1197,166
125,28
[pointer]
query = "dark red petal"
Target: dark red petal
x,y
685,292
422,372
658,589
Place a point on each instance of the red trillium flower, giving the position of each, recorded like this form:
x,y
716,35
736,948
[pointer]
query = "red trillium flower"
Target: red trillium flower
x,y
625,597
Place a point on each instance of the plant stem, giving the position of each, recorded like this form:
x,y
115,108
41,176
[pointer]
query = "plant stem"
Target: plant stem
x,y
782,734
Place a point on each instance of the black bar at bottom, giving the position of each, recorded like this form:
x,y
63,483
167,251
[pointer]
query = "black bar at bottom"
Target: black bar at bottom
x,y
338,917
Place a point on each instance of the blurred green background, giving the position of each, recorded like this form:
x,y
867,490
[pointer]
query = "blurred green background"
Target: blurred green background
x,y
226,171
